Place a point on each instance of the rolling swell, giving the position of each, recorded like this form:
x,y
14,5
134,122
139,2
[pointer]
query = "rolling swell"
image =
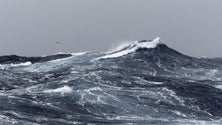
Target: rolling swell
x,y
143,82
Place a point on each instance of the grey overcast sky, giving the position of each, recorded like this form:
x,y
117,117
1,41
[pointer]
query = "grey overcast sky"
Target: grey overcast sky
x,y
33,27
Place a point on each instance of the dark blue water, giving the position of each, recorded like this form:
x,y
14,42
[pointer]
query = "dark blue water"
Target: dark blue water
x,y
143,82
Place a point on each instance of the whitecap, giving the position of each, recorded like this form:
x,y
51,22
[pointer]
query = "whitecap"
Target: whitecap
x,y
79,53
127,48
62,90
156,83
6,66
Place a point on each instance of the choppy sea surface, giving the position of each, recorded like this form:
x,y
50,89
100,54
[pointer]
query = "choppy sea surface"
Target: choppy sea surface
x,y
142,82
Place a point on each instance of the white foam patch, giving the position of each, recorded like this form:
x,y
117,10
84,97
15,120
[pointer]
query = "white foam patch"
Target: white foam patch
x,y
62,90
5,66
218,86
79,54
67,58
54,64
156,83
127,48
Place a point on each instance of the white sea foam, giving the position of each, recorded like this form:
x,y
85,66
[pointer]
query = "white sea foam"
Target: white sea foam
x,y
62,90
127,48
218,86
53,64
80,53
157,83
67,58
5,66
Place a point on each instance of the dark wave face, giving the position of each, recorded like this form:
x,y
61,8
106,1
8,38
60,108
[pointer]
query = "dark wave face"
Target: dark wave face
x,y
143,82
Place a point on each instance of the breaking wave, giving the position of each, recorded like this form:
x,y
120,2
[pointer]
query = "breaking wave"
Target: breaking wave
x,y
142,82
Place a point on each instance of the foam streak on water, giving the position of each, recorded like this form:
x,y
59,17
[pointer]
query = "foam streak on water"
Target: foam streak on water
x,y
127,48
143,82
